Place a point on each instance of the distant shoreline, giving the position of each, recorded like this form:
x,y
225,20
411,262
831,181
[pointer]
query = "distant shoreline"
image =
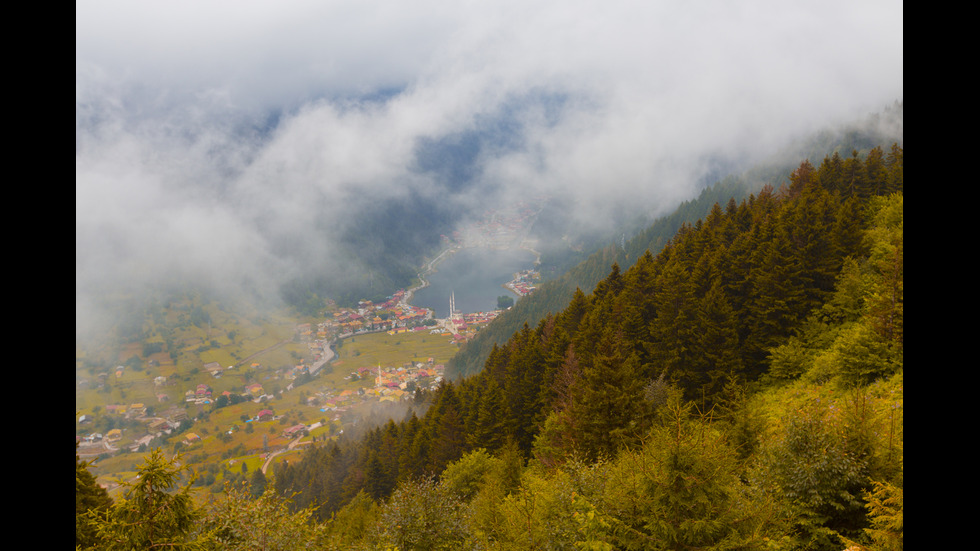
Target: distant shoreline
x,y
429,268
432,266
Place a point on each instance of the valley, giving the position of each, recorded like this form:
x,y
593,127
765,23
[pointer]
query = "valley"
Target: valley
x,y
235,390
223,415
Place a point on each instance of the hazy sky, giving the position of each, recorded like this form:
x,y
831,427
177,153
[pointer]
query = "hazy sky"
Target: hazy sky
x,y
208,133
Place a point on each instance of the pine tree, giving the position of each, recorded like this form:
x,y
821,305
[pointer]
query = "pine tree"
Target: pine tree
x,y
489,430
374,477
572,316
809,223
886,300
671,332
150,514
414,459
895,162
775,295
448,441
854,179
831,173
848,230
257,484
557,344
876,172
89,496
608,409
717,356
681,490
522,386
803,176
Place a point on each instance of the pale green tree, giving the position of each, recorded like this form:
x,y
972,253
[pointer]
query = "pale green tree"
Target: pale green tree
x,y
424,515
153,513
241,522
682,490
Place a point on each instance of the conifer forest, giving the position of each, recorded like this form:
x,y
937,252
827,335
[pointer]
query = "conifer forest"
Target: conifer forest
x,y
740,387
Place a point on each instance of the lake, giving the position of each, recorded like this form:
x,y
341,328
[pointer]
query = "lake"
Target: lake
x,y
476,276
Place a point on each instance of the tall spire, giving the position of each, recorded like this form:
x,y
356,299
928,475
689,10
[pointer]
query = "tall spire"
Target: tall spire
x,y
452,311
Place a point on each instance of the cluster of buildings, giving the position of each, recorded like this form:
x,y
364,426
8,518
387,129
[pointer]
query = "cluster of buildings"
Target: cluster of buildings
x,y
524,282
125,410
390,384
461,327
163,423
387,316
393,383
101,378
199,395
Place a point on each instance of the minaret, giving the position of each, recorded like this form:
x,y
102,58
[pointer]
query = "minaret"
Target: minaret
x,y
452,311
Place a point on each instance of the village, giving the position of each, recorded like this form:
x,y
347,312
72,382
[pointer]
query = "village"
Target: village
x,y
137,426
524,282
362,385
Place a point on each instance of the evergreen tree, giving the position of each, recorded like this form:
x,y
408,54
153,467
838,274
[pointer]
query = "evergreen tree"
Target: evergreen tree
x,y
257,484
854,179
448,442
150,514
895,163
489,429
802,177
89,496
886,298
876,172
374,477
831,173
609,410
809,223
773,305
671,332
557,344
717,359
886,507
571,317
848,229
414,459
560,436
681,490
819,477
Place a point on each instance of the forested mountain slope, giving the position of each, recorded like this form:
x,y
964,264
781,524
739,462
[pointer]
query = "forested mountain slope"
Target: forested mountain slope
x,y
554,295
742,389
761,352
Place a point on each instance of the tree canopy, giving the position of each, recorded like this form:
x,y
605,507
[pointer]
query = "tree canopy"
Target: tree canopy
x,y
742,388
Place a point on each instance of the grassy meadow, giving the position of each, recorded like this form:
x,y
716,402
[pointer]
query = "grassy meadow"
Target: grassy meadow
x,y
371,349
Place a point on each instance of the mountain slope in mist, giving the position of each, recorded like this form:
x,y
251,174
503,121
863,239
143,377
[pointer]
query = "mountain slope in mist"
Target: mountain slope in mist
x,y
288,151
886,126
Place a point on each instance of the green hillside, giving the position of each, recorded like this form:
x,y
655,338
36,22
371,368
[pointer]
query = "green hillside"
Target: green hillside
x,y
742,388
555,294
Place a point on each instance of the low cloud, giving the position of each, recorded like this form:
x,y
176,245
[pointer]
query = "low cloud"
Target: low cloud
x,y
228,142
